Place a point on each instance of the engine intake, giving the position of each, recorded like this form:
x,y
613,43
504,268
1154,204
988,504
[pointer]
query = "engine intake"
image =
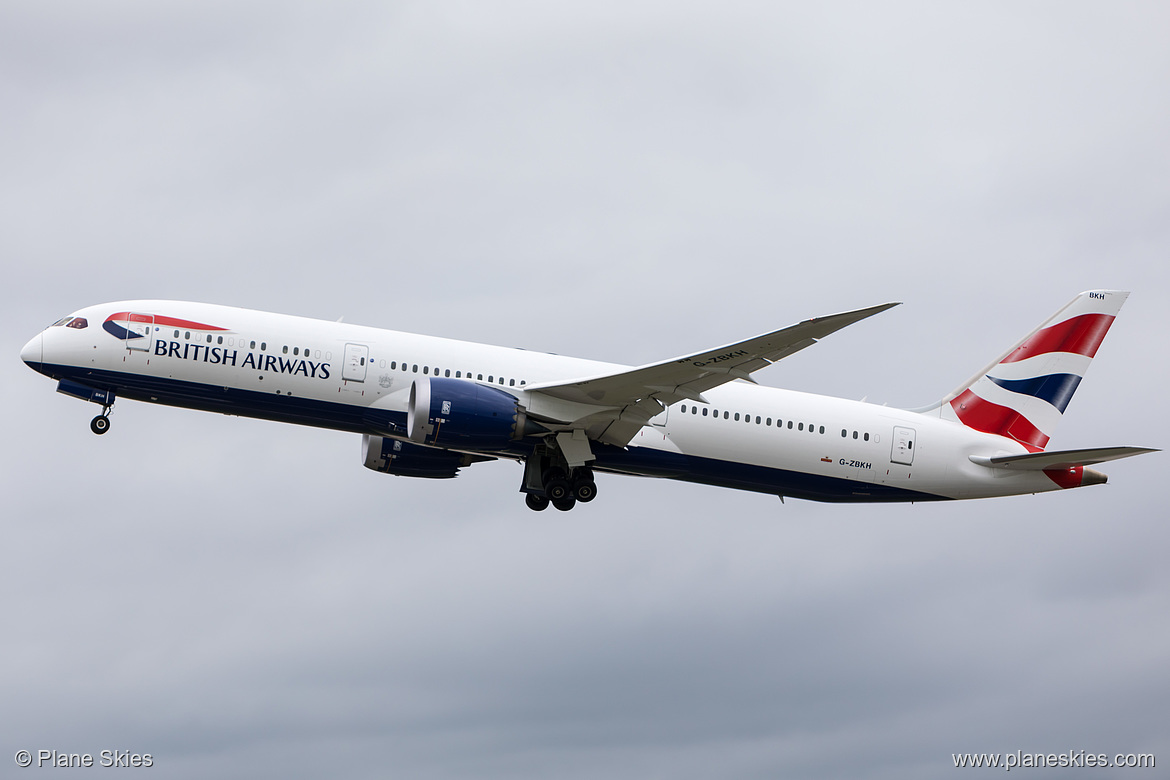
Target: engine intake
x,y
466,415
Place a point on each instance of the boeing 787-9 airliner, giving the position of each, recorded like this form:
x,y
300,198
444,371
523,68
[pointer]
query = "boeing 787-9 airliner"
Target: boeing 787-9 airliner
x,y
427,407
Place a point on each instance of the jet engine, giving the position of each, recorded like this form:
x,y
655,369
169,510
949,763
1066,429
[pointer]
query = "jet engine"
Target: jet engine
x,y
391,456
465,415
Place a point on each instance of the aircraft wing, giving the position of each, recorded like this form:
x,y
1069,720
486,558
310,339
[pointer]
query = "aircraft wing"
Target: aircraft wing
x,y
626,401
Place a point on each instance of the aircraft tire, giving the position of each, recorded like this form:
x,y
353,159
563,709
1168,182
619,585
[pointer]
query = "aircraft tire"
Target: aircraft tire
x,y
585,490
99,424
565,504
558,490
536,503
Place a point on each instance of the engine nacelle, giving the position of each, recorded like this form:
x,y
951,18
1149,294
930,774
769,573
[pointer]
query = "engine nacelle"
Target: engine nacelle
x,y
465,415
391,456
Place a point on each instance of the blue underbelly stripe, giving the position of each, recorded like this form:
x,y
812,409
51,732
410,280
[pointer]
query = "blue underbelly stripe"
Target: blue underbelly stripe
x,y
358,419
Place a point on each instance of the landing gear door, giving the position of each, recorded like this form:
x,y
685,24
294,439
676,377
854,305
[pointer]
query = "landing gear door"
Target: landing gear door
x,y
902,450
356,358
139,331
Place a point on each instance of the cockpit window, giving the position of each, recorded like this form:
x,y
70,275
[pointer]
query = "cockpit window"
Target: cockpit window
x,y
77,322
61,321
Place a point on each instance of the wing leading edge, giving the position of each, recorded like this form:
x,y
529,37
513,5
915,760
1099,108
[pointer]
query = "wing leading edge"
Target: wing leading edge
x,y
612,408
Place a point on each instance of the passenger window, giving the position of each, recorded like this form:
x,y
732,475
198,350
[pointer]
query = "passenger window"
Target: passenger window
x,y
263,346
866,437
855,434
208,338
725,415
479,377
501,380
800,427
768,421
296,351
822,429
458,374
511,383
284,350
414,368
790,425
757,419
393,365
447,372
737,416
219,340
251,347
187,335
704,411
683,408
363,362
176,334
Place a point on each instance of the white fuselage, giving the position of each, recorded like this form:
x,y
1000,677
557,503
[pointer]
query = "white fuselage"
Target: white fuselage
x,y
356,378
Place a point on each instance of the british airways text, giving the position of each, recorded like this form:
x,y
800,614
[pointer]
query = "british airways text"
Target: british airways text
x,y
231,357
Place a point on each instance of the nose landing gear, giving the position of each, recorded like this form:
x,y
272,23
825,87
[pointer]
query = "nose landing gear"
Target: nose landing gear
x,y
101,423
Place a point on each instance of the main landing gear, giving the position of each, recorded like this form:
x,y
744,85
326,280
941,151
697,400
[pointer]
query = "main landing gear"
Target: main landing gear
x,y
563,489
548,479
101,423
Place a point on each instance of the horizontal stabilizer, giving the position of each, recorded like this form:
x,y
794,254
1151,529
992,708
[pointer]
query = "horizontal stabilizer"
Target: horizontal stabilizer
x,y
1065,459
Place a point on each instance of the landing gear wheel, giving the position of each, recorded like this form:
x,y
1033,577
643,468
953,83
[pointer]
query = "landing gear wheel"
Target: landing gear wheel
x,y
536,503
565,504
99,424
585,490
556,485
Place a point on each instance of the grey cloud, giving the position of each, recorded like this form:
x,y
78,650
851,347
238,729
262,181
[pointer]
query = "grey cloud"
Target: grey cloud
x,y
622,182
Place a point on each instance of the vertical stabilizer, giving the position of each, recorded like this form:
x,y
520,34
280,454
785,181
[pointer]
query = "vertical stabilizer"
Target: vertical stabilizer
x,y
1024,393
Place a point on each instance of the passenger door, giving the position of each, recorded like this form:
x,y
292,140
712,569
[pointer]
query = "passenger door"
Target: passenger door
x,y
140,331
356,358
902,450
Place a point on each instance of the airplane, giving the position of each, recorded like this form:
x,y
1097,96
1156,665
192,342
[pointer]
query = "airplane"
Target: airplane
x,y
428,407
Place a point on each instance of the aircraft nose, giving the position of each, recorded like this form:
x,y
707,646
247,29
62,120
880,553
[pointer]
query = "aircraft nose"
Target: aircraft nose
x,y
32,354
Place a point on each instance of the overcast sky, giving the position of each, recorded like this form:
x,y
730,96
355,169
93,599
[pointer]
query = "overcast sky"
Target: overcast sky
x,y
620,181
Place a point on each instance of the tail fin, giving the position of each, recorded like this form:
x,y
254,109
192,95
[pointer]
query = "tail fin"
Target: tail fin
x,y
1024,393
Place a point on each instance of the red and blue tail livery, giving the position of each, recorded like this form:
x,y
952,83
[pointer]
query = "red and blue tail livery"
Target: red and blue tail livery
x,y
429,407
1024,394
